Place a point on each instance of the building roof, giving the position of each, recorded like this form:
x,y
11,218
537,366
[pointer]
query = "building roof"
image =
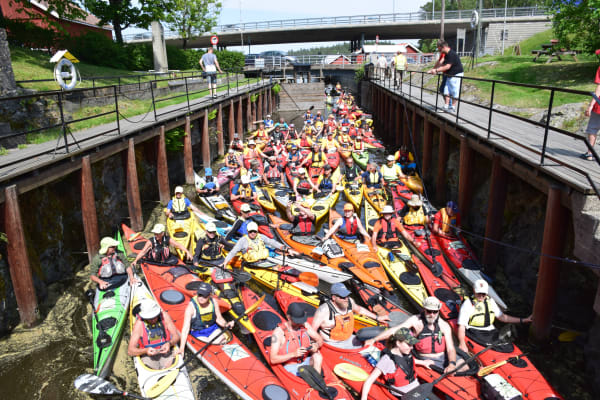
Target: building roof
x,y
331,58
89,19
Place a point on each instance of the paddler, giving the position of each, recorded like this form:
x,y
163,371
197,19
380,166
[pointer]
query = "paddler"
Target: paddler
x,y
308,116
391,171
240,226
153,336
254,173
330,143
348,227
282,124
292,132
179,206
253,247
295,343
406,160
305,141
261,133
387,230
359,145
236,143
319,117
157,248
325,184
309,128
208,185
244,191
334,319
232,160
397,365
434,346
351,171
210,247
303,185
446,220
203,319
371,177
304,222
273,173
111,265
252,153
294,155
476,317
412,214
316,158
331,123
276,134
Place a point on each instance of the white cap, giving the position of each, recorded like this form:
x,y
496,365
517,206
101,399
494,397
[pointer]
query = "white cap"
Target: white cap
x,y
480,286
301,170
211,227
178,189
245,208
158,228
252,226
231,151
149,309
387,210
432,303
251,141
245,179
390,158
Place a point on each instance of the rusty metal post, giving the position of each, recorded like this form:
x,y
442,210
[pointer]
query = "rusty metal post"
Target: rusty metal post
x,y
220,143
249,114
465,178
162,169
440,184
417,133
407,128
134,202
259,112
231,121
495,214
399,124
264,104
413,121
88,209
188,159
549,271
240,127
427,145
205,141
18,259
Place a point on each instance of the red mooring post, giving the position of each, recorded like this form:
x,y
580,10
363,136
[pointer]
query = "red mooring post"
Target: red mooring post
x,y
249,114
495,214
465,178
162,169
220,144
440,183
134,202
240,128
188,158
205,141
549,271
407,128
417,136
264,99
427,145
231,121
18,260
88,209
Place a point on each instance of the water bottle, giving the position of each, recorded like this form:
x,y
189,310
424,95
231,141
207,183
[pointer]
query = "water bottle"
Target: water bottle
x,y
370,359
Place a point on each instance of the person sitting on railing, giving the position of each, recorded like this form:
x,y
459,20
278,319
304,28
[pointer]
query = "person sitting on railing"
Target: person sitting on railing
x,y
209,64
453,71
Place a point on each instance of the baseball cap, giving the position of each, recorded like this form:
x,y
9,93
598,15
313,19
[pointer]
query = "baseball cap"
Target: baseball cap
x,y
390,158
245,208
158,228
211,227
480,286
204,289
252,226
297,313
452,205
404,335
179,189
245,179
348,207
340,290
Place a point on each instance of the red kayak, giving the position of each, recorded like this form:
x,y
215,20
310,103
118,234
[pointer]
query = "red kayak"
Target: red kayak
x,y
257,213
265,320
400,194
227,174
333,159
315,173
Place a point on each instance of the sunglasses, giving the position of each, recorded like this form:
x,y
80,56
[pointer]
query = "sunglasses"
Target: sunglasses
x,y
252,231
431,311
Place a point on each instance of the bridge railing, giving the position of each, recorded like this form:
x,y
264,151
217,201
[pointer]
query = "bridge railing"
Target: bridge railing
x,y
419,82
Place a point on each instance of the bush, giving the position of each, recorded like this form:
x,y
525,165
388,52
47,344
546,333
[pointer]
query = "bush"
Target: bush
x,y
95,48
139,57
28,34
177,58
230,60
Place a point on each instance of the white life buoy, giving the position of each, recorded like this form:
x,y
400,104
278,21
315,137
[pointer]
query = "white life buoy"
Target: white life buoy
x,y
62,77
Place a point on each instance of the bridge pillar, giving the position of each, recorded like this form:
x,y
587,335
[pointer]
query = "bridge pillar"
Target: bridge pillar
x,y
162,169
18,259
465,175
188,158
249,114
240,128
495,214
134,202
440,183
231,124
549,271
427,144
205,141
88,209
220,144
159,50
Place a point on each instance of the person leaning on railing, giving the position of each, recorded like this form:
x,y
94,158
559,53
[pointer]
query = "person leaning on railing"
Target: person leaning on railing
x,y
593,111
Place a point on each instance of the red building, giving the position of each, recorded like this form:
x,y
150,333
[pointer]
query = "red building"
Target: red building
x,y
10,10
388,50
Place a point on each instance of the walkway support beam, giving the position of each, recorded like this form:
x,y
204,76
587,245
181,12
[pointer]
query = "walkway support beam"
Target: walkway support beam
x,y
134,202
465,178
88,209
440,185
220,142
162,169
495,214
188,158
205,141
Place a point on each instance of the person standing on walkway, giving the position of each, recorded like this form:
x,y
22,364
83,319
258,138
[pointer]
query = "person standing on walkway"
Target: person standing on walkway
x,y
453,71
382,65
399,63
593,111
209,64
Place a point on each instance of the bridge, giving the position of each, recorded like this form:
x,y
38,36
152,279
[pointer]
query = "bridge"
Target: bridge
x,y
413,25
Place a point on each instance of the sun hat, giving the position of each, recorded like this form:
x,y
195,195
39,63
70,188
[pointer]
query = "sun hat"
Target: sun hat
x,y
251,141
432,303
390,158
387,210
107,242
211,227
415,201
339,289
158,228
297,313
480,286
178,189
231,151
404,335
245,208
252,226
149,309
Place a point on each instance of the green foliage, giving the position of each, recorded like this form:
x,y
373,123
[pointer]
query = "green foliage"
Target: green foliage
x,y
428,45
173,139
28,34
359,74
177,58
97,49
212,115
340,48
276,89
230,60
535,42
3,151
253,98
139,56
192,17
576,24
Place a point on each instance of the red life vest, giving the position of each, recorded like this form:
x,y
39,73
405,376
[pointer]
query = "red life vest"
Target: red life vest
x,y
430,342
350,225
303,183
272,172
385,233
305,224
304,142
405,369
154,335
292,341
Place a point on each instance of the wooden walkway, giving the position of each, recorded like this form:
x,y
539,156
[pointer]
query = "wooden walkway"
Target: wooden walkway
x,y
516,137
32,159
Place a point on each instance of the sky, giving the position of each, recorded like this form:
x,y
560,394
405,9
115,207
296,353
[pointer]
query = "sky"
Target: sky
x,y
234,11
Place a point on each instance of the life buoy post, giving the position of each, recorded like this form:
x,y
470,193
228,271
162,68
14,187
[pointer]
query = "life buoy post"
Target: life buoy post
x,y
65,73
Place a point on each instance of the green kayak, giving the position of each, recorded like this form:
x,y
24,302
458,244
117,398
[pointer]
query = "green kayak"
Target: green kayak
x,y
361,159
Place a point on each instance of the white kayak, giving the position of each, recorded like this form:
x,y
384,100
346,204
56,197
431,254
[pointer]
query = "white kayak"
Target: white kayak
x,y
217,203
324,272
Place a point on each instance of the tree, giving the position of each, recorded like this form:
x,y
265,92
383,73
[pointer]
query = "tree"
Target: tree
x,y
192,17
576,23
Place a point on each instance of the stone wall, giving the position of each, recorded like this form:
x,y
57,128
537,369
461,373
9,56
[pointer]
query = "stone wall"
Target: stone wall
x,y
7,77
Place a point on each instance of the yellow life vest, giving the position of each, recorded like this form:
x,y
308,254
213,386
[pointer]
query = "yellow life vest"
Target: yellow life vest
x,y
390,173
178,205
317,159
245,192
447,221
361,147
415,217
400,62
256,250
482,308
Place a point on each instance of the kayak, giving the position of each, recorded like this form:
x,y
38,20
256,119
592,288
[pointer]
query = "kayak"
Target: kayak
x,y
361,158
414,183
333,159
256,213
314,173
183,232
226,174
324,272
265,199
181,388
323,203
280,195
400,194
266,319
354,193
376,197
111,306
371,216
363,255
216,202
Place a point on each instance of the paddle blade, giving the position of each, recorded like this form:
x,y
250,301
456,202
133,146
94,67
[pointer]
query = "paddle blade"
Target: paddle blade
x,y
421,392
93,384
568,336
316,381
309,278
369,332
162,384
253,306
350,372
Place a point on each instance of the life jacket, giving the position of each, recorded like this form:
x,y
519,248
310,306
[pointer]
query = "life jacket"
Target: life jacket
x,y
447,221
415,217
351,173
210,248
277,135
268,123
303,183
326,183
294,157
305,142
403,157
344,323
305,224
111,265
430,342
373,178
352,131
178,208
272,173
205,316
345,139
244,191
250,154
262,134
232,160
330,144
332,124
405,369
388,231
390,173
349,227
357,147
317,160
292,341
160,251
154,335
256,250
483,315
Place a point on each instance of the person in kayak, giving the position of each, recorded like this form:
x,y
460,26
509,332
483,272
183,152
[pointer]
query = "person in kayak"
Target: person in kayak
x,y
252,153
412,214
371,177
210,247
277,134
110,265
344,140
305,141
254,173
391,172
308,116
158,249
232,160
326,185
208,185
304,222
153,336
397,365
434,346
294,155
253,247
273,173
348,227
236,143
351,171
406,160
292,132
240,226
476,317
261,134
387,230
316,158
179,206
295,343
334,319
203,319
446,220
282,124
303,185
244,191
330,143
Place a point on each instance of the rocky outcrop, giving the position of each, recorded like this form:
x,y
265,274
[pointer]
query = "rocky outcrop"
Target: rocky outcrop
x,y
8,86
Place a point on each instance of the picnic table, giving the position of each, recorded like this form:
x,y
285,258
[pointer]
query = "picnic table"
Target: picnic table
x,y
551,49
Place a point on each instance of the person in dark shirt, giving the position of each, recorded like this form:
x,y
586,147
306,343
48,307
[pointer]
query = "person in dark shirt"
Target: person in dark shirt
x,y
453,70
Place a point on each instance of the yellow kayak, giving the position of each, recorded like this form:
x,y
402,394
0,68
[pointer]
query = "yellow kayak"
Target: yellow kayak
x,y
354,193
182,231
265,199
376,197
414,183
371,216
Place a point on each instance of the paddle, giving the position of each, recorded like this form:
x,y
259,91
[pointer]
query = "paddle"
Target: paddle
x,y
93,384
424,390
490,368
315,380
164,382
103,340
240,276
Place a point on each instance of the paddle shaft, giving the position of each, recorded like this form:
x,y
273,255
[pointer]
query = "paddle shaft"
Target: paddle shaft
x,y
488,369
